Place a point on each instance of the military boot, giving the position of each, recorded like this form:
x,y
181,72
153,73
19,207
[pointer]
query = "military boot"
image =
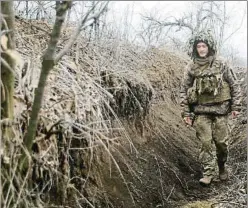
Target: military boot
x,y
206,180
223,173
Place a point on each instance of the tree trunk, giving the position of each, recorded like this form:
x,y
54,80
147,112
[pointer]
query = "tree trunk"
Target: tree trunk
x,y
7,70
47,65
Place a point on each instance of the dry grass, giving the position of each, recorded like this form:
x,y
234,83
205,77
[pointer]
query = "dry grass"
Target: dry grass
x,y
75,123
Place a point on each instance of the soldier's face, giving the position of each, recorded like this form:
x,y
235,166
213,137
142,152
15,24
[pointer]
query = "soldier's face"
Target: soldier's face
x,y
202,49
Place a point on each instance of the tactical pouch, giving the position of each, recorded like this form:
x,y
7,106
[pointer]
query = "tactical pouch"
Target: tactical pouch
x,y
209,85
192,94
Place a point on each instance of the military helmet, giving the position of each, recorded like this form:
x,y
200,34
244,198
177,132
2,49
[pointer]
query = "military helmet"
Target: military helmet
x,y
202,36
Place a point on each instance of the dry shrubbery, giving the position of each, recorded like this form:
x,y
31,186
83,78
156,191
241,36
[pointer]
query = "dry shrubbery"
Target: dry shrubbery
x,y
90,86
236,192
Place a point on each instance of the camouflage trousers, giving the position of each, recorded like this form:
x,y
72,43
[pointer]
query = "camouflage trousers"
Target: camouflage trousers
x,y
213,132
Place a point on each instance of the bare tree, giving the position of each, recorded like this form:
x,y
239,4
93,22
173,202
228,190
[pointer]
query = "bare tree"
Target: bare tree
x,y
47,64
207,14
50,58
8,63
38,10
150,34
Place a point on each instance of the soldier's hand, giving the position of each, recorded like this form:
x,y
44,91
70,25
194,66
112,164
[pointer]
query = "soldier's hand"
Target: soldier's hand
x,y
188,121
235,114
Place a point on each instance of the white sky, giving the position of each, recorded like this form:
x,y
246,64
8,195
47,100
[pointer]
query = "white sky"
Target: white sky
x,y
176,8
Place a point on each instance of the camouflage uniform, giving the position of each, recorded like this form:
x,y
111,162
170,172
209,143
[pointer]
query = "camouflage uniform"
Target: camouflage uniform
x,y
208,93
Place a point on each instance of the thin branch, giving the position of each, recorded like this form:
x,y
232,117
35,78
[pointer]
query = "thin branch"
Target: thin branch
x,y
47,65
80,28
177,22
238,28
5,63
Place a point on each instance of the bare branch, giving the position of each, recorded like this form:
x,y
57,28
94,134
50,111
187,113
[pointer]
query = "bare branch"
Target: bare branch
x,y
177,22
7,66
47,64
83,25
236,30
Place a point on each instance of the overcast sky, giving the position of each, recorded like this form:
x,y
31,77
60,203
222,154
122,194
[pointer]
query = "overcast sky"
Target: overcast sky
x,y
166,8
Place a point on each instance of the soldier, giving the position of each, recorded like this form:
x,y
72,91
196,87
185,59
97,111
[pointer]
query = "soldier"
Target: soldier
x,y
208,94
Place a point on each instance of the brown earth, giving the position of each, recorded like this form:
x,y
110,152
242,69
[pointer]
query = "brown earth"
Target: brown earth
x,y
166,161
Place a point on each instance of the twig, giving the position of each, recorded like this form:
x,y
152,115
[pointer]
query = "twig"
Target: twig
x,y
80,28
26,177
167,199
229,202
5,63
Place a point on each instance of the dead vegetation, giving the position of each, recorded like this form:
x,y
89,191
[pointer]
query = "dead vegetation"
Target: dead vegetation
x,y
81,99
109,131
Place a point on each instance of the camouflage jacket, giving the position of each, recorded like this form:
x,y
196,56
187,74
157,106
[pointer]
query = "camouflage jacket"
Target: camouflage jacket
x,y
188,80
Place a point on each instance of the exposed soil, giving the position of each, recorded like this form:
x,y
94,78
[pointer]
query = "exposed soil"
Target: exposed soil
x,y
164,172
